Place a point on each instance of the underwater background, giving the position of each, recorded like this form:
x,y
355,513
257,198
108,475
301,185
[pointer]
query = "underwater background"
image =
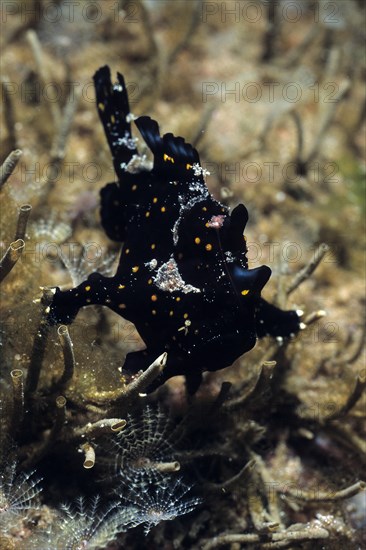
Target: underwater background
x,y
270,452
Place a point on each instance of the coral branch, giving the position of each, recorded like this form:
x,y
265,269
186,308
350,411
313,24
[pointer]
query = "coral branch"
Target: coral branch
x,y
354,396
344,359
184,42
327,120
39,344
261,385
60,418
308,531
123,396
52,436
166,467
189,456
43,74
231,483
68,352
155,61
138,386
220,398
262,478
261,519
9,165
58,149
17,379
300,139
271,33
127,393
24,212
59,143
89,459
324,496
11,257
305,273
314,317
147,377
346,437
8,110
203,123
100,427
293,57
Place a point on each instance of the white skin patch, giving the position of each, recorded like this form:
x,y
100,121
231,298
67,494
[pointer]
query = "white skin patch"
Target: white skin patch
x,y
137,164
198,170
185,207
152,264
127,141
216,221
169,279
229,256
198,187
130,117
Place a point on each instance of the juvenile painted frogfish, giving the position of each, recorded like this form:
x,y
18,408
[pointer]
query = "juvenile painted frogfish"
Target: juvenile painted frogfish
x,y
183,276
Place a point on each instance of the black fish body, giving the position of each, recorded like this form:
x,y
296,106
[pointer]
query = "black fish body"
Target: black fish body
x,y
183,276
